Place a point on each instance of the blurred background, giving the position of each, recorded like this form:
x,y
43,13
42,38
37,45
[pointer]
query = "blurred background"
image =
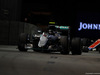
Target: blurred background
x,y
17,16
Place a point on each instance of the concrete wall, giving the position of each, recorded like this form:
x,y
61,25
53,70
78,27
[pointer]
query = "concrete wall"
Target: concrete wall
x,y
10,10
10,30
4,31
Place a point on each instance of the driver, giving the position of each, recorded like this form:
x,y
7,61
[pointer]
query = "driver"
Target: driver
x,y
53,35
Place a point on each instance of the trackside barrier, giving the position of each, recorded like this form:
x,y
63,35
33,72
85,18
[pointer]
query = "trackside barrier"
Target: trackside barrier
x,y
10,30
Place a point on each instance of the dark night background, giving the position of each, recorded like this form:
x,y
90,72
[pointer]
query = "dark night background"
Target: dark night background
x,y
63,12
59,11
41,12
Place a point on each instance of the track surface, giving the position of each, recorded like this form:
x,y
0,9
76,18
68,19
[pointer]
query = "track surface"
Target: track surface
x,y
13,62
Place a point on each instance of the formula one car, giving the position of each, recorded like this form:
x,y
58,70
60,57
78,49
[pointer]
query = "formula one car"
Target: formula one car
x,y
55,38
94,45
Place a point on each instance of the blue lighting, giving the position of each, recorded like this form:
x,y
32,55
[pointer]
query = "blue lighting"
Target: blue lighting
x,y
89,26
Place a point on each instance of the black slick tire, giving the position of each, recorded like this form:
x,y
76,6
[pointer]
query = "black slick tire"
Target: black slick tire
x,y
64,44
22,42
76,47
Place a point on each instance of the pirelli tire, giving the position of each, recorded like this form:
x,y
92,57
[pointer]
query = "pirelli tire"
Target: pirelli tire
x,y
76,46
64,44
22,42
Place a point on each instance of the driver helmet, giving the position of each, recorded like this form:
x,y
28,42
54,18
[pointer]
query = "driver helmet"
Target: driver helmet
x,y
51,32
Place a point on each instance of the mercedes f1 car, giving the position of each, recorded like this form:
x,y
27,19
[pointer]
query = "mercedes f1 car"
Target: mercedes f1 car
x,y
54,39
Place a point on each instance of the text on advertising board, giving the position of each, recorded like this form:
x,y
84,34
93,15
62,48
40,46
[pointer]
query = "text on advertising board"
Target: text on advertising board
x,y
88,26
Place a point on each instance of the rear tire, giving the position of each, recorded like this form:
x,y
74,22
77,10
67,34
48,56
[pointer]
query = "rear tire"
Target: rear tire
x,y
64,43
22,42
76,46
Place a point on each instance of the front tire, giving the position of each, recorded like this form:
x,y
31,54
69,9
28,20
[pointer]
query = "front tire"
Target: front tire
x,y
21,47
22,42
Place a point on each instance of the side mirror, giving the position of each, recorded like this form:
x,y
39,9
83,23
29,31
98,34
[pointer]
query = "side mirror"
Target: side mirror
x,y
39,31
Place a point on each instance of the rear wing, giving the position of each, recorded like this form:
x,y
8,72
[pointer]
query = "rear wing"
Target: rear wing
x,y
63,27
59,27
63,30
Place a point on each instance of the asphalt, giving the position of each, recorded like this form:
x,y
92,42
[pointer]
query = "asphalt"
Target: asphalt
x,y
13,62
